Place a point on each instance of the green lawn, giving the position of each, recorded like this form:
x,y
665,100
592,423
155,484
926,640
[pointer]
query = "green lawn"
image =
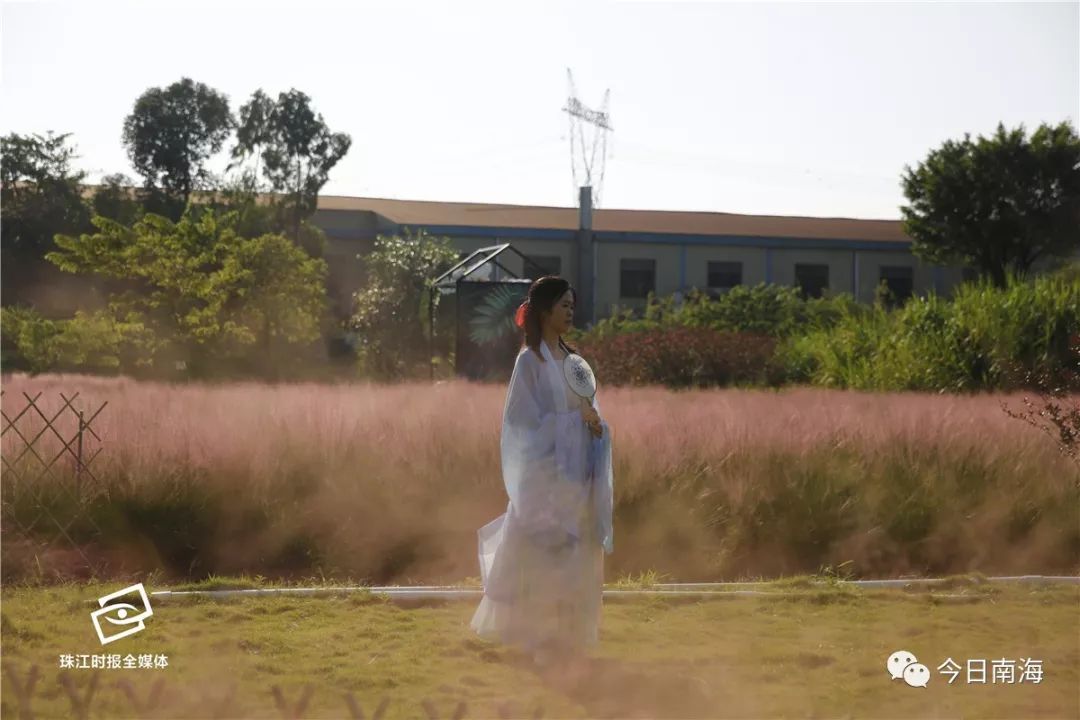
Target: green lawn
x,y
820,652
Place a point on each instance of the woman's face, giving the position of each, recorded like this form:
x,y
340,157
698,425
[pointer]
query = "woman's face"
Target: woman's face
x,y
561,317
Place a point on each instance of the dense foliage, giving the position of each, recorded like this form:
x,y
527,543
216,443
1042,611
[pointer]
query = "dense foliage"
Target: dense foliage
x,y
983,337
197,295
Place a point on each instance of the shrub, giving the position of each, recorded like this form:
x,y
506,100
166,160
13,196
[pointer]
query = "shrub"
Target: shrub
x,y
681,357
1056,413
774,310
89,341
390,313
26,337
984,338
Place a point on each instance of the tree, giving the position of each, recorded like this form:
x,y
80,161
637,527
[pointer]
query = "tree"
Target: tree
x,y
89,341
997,203
170,134
115,200
212,298
296,148
391,311
241,195
40,195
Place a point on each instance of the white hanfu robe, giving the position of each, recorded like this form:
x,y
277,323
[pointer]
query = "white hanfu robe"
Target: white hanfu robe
x,y
541,562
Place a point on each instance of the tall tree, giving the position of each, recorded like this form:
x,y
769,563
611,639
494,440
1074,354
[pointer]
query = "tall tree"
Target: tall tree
x,y
998,204
295,147
41,196
170,134
211,297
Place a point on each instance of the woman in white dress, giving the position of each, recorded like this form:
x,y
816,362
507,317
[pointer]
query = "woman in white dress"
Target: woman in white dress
x,y
542,560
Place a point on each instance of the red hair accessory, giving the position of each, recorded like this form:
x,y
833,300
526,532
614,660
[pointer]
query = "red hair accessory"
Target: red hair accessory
x,y
519,316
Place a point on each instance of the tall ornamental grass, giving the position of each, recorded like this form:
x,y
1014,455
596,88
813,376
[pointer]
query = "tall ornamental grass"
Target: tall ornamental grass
x,y
390,483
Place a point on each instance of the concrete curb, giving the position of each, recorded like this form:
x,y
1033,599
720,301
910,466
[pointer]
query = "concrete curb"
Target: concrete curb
x,y
681,590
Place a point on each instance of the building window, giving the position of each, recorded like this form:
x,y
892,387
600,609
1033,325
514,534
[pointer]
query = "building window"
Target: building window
x,y
637,277
812,280
548,265
899,280
723,275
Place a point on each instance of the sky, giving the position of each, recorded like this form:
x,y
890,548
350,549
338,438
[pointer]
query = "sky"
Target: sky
x,y
760,108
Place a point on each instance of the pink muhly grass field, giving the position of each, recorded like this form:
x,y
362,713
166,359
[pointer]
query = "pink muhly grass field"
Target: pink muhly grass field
x,y
389,483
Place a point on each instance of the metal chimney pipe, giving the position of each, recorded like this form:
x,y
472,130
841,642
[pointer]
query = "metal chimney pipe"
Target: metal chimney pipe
x,y
586,280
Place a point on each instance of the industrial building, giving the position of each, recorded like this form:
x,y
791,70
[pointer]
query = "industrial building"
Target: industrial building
x,y
614,258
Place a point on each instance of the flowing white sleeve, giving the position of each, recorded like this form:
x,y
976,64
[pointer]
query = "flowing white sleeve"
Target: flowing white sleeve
x,y
532,439
603,487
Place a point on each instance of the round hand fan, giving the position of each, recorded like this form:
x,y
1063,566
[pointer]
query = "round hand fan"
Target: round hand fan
x,y
579,376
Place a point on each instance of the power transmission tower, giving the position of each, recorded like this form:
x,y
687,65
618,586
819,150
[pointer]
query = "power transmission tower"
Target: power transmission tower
x,y
580,115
